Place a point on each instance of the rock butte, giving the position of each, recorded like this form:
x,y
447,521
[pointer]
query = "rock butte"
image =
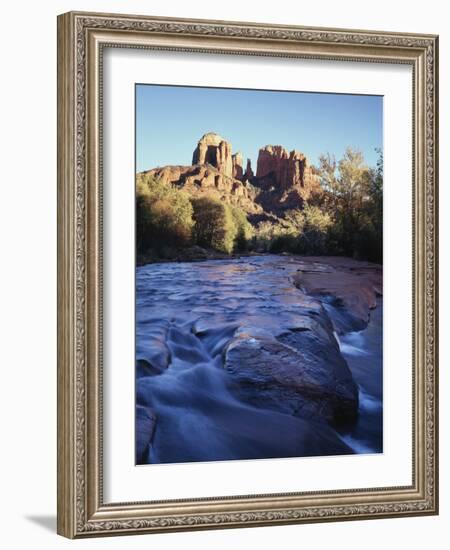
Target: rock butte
x,y
213,149
283,180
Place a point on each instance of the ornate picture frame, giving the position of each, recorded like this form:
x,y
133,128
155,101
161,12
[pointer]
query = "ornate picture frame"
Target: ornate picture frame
x,y
82,38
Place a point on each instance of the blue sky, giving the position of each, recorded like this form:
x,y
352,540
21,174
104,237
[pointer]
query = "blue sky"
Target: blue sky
x,y
171,119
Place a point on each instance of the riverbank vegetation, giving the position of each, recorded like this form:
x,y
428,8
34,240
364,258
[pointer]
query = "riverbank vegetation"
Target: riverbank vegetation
x,y
345,219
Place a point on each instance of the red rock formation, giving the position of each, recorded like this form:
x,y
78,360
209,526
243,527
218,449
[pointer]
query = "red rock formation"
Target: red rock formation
x,y
237,166
213,149
283,180
286,179
272,161
204,179
286,169
249,175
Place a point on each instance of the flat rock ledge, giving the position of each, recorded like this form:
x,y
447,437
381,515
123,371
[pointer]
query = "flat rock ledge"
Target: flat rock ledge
x,y
348,287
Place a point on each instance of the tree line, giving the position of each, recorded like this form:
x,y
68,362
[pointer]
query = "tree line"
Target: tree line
x,y
345,219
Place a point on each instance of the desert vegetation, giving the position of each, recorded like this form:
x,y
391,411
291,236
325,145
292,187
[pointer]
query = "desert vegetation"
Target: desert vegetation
x,y
345,218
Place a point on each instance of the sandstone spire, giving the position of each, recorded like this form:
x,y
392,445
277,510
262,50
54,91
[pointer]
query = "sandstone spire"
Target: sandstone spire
x,y
284,180
248,171
213,149
237,166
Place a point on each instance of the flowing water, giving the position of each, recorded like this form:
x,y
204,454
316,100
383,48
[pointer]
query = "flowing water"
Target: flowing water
x,y
186,315
363,352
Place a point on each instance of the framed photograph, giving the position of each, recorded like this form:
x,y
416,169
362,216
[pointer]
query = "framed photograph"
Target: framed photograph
x,y
247,274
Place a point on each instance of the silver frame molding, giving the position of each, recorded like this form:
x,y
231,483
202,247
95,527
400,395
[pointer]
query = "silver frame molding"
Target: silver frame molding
x,y
81,39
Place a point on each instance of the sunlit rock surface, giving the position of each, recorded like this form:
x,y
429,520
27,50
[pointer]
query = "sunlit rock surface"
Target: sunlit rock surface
x,y
284,180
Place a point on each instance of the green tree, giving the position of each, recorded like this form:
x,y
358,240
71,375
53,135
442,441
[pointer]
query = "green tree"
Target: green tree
x,y
374,212
244,230
163,215
294,221
315,233
214,224
353,199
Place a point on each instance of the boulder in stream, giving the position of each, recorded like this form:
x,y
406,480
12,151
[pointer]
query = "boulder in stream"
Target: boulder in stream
x,y
298,373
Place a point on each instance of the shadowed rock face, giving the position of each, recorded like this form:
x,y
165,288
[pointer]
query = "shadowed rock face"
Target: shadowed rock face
x,y
238,172
249,175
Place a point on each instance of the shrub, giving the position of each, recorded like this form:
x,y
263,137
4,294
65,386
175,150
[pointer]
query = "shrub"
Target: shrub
x,y
244,230
214,224
299,231
354,198
314,237
163,215
268,236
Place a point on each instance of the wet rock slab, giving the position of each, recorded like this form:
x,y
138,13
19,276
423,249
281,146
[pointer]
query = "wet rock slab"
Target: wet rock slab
x,y
350,287
300,373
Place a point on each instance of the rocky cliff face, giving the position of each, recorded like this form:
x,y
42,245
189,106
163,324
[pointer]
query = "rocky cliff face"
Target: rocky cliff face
x,y
284,180
207,180
213,149
237,166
